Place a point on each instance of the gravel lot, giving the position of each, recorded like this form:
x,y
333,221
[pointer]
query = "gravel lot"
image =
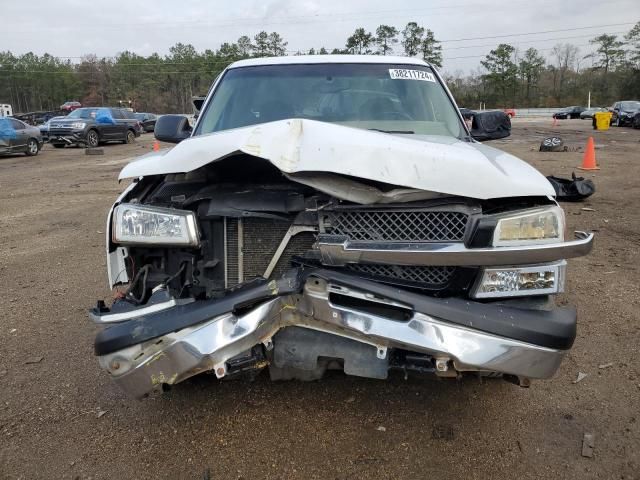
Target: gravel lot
x,y
61,417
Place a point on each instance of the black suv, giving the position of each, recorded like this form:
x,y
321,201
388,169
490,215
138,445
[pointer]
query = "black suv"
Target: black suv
x,y
93,126
623,113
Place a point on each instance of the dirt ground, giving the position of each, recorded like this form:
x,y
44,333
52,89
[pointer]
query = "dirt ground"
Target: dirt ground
x,y
61,417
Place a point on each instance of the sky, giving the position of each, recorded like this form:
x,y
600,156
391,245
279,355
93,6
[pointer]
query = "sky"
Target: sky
x,y
468,29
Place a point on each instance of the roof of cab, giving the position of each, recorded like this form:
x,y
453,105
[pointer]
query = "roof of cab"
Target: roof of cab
x,y
307,59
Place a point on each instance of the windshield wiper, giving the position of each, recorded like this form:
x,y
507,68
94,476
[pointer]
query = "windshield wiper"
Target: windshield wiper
x,y
407,132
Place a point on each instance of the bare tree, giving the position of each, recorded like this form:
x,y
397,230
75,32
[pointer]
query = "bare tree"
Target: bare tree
x,y
565,59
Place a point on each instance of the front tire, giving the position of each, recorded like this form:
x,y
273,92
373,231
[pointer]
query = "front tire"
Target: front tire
x,y
32,148
93,139
131,137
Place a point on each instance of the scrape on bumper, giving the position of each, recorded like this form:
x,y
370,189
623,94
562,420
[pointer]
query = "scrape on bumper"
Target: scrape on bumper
x,y
169,346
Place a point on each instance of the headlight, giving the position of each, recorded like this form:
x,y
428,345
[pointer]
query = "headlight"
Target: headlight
x,y
529,227
521,281
78,125
139,224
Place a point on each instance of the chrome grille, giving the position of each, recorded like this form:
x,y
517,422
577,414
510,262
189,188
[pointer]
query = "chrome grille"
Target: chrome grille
x,y
409,273
391,226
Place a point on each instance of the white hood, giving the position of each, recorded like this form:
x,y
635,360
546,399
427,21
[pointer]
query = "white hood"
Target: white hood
x,y
430,164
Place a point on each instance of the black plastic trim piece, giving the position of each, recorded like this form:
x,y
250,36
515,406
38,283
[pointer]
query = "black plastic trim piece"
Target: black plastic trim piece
x,y
555,328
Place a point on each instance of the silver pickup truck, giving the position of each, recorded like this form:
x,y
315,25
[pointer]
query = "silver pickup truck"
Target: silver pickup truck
x,y
332,212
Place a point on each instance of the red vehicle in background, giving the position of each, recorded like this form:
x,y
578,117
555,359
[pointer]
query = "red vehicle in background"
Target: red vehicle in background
x,y
70,106
511,112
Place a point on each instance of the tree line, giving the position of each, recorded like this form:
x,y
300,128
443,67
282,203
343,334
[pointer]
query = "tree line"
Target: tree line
x,y
506,77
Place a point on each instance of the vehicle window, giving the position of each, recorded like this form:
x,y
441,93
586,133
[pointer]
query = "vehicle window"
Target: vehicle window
x,y
17,124
140,116
117,114
128,114
84,113
365,96
630,105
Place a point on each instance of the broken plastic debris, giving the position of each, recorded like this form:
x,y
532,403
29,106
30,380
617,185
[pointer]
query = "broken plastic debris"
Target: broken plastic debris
x,y
581,376
381,429
100,413
33,360
606,365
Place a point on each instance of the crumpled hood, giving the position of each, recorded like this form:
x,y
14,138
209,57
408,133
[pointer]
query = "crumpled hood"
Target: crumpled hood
x,y
435,164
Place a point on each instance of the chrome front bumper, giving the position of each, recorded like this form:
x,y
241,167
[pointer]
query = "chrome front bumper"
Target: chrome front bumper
x,y
208,345
338,252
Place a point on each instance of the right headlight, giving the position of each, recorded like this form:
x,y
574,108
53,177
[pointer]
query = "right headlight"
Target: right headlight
x,y
142,224
530,227
78,125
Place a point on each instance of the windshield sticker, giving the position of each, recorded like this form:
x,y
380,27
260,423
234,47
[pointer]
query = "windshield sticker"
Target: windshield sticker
x,y
406,74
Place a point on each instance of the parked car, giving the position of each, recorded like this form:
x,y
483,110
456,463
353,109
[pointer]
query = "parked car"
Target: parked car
x,y
70,106
93,126
568,112
636,120
147,120
624,112
18,137
588,114
300,228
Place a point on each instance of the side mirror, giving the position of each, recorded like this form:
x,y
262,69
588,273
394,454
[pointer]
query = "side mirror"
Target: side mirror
x,y
172,128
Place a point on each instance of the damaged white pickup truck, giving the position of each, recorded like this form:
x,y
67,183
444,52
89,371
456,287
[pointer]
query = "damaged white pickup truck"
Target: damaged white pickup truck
x,y
332,212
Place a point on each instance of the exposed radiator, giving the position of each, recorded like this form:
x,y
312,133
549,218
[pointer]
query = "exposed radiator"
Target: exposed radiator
x,y
251,244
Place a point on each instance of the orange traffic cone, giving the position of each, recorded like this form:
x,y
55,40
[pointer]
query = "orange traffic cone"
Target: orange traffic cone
x,y
589,159
156,146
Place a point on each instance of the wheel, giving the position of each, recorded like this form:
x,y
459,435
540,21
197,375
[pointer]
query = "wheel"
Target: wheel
x,y
58,145
552,144
32,148
131,137
93,139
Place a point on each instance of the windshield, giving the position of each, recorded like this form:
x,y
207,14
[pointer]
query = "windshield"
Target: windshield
x,y
83,113
630,106
391,98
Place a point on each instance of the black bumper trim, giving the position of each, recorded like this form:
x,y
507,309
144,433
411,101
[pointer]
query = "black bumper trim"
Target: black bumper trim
x,y
555,329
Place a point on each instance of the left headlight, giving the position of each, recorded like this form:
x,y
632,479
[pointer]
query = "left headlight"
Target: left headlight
x,y
530,227
139,224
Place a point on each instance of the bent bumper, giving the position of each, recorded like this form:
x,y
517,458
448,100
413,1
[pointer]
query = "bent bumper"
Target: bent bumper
x,y
169,346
